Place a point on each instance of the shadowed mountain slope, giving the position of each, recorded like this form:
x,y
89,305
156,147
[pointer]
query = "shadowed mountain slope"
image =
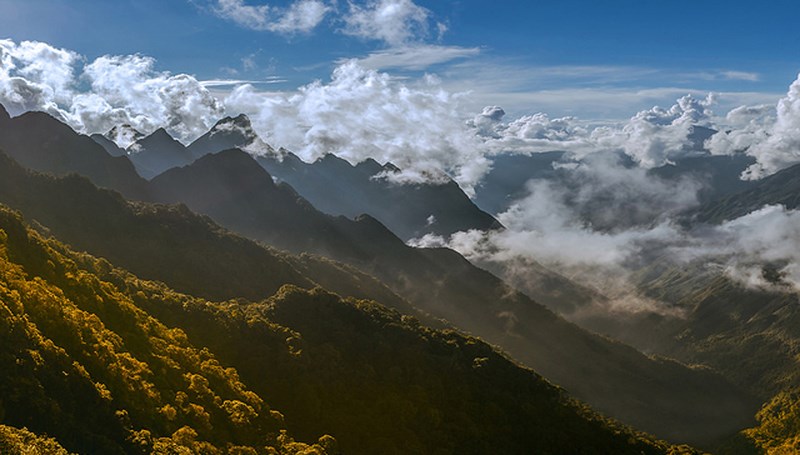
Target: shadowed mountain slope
x,y
783,188
87,358
172,244
158,152
336,187
81,363
38,141
673,401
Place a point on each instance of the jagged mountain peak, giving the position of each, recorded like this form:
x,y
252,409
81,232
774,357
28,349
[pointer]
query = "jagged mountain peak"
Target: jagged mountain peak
x,y
238,127
390,167
231,132
158,152
233,163
124,135
160,135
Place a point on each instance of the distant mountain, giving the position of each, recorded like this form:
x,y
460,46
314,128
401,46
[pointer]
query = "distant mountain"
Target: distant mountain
x,y
156,153
505,181
123,135
240,195
673,401
783,188
409,210
660,396
228,133
171,244
720,174
724,321
38,141
110,146
336,187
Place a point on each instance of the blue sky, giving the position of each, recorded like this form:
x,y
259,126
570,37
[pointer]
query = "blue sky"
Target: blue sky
x,y
547,45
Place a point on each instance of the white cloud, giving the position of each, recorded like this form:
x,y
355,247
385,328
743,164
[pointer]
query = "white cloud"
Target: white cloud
x,y
741,248
364,113
35,75
302,16
771,136
149,99
123,90
651,138
395,22
741,76
547,228
234,82
418,57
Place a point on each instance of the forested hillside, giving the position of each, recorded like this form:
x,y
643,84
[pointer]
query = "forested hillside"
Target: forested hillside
x,y
107,363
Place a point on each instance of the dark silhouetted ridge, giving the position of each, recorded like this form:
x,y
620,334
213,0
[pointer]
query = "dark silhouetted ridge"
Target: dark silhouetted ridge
x,y
158,152
39,141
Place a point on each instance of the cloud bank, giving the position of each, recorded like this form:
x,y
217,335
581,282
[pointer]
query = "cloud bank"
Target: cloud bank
x,y
770,134
121,90
651,138
364,113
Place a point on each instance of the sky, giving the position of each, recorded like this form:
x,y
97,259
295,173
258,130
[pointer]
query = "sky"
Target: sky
x,y
525,55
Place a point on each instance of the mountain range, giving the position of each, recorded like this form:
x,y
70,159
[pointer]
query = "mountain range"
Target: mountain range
x,y
251,253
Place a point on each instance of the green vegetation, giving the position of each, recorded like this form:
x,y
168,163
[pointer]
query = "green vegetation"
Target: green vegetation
x,y
777,432
20,441
81,363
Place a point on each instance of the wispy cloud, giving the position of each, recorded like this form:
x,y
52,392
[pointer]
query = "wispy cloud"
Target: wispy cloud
x,y
415,58
301,16
233,82
741,76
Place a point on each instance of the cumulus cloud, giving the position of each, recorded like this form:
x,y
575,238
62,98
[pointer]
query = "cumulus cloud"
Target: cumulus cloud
x,y
363,113
359,114
122,90
302,16
651,138
128,90
770,135
395,22
35,75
